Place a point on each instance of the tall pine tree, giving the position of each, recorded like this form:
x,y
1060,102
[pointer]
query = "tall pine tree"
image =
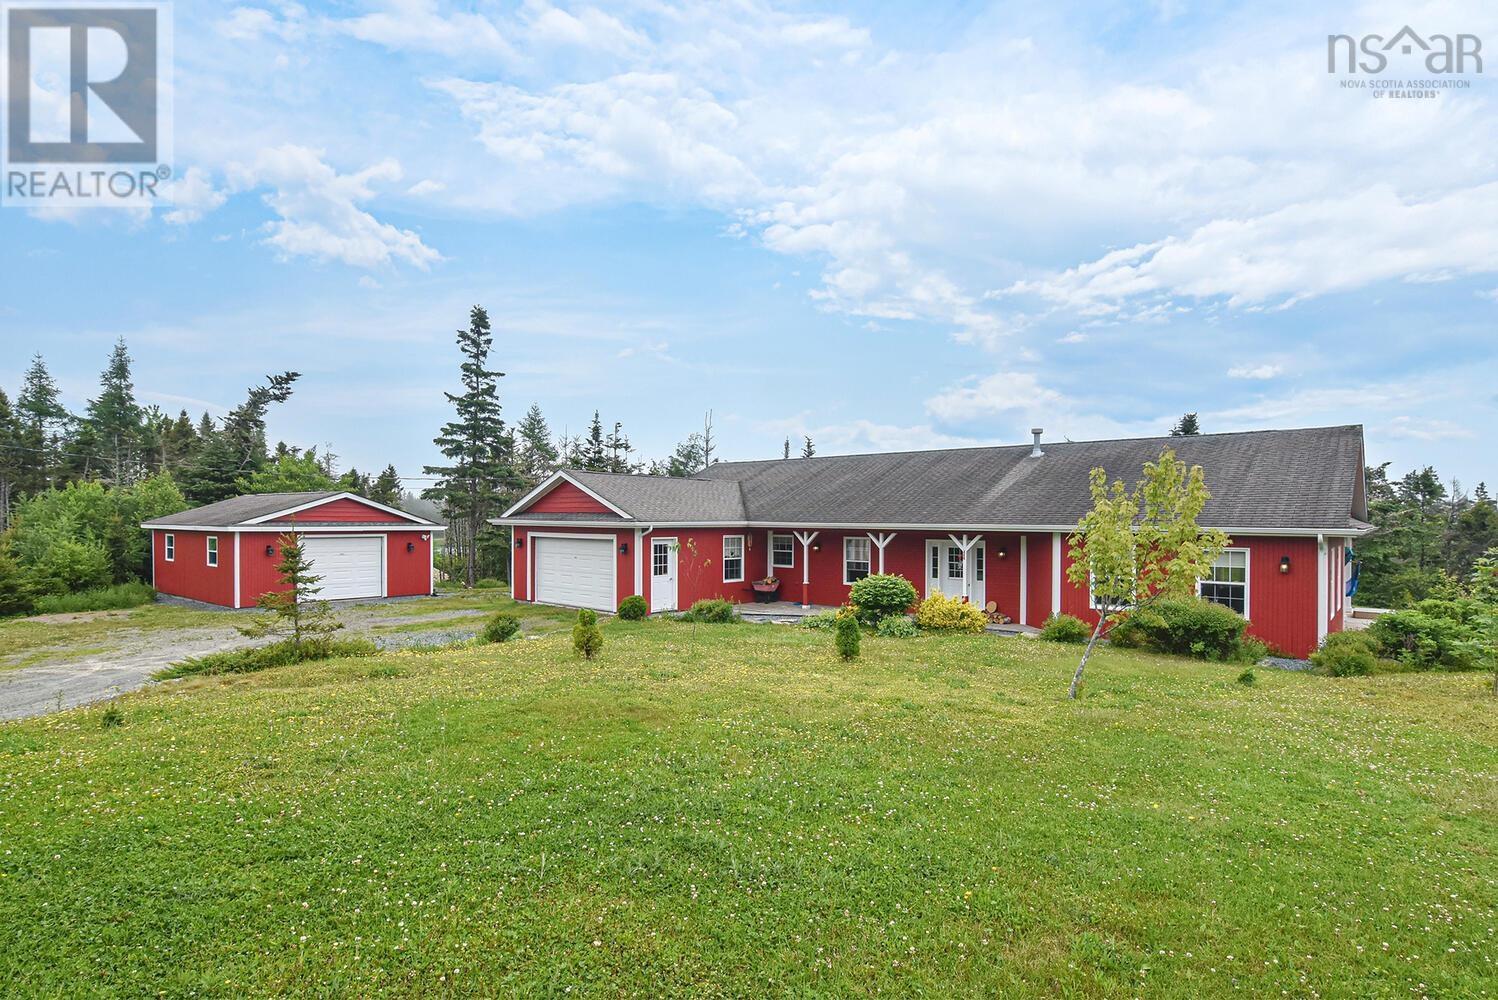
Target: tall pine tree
x,y
479,449
594,450
386,488
538,456
237,449
44,423
12,463
114,420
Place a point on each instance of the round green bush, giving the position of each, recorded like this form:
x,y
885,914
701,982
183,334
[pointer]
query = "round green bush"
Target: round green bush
x,y
1065,628
1345,654
501,628
876,597
820,620
897,627
847,633
633,608
1193,627
587,637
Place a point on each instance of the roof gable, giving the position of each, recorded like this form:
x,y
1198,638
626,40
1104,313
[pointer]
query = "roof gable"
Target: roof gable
x,y
320,507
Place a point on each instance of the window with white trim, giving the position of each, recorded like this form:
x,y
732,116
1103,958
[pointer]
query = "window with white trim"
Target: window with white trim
x,y
213,550
1227,584
782,551
936,562
660,559
733,558
978,562
855,559
169,546
954,562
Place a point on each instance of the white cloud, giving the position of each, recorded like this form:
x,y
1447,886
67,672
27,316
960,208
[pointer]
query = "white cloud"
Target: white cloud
x,y
1264,371
418,25
588,28
1075,337
192,197
658,349
1294,253
1000,393
319,213
248,24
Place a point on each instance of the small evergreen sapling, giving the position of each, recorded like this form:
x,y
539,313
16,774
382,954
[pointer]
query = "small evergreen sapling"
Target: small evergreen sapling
x,y
846,633
587,637
294,614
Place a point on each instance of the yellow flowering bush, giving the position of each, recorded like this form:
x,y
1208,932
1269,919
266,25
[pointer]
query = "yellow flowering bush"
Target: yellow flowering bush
x,y
941,613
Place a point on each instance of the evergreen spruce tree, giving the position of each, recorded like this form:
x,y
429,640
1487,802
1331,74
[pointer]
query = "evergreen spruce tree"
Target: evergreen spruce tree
x,y
44,423
1187,426
236,450
538,456
114,421
808,450
12,465
686,460
386,488
294,615
594,452
787,452
619,449
477,445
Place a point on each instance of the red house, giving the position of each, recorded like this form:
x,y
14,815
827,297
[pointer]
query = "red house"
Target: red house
x,y
226,553
986,524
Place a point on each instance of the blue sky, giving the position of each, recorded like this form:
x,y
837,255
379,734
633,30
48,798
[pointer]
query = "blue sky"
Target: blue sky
x,y
886,225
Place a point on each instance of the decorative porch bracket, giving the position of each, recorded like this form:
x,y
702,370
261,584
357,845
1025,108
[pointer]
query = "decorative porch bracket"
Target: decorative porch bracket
x,y
966,544
806,538
880,541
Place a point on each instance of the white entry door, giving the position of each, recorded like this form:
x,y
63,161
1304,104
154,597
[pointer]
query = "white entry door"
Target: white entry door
x,y
575,572
947,567
351,567
663,574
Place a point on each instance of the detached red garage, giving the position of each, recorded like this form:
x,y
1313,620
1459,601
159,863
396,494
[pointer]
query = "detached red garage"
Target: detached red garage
x,y
226,553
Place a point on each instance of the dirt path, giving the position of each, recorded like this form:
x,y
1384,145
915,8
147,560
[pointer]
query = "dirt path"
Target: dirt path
x,y
72,679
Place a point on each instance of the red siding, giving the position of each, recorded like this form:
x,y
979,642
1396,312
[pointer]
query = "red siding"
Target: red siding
x,y
564,498
1038,589
345,510
189,574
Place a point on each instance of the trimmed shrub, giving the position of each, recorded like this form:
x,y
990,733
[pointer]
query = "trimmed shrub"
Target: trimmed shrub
x,y
587,637
633,608
711,611
1194,627
121,595
501,628
1345,654
820,620
876,597
1432,634
940,613
1065,628
847,633
277,654
897,627
1247,678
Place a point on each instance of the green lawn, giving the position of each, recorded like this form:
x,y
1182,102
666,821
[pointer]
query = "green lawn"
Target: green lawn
x,y
27,640
727,810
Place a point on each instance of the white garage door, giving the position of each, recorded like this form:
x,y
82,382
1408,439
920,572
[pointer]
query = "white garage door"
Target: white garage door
x,y
577,572
349,567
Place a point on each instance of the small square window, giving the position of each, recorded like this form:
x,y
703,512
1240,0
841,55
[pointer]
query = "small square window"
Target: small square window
x,y
213,550
1227,583
783,551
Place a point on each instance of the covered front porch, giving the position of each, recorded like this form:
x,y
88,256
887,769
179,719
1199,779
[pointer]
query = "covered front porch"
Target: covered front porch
x,y
816,567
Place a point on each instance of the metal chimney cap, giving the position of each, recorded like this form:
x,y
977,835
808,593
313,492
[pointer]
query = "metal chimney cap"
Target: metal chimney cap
x,y
1037,431
1035,451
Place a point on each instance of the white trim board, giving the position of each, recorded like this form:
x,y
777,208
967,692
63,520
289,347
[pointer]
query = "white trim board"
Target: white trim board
x,y
1065,529
301,529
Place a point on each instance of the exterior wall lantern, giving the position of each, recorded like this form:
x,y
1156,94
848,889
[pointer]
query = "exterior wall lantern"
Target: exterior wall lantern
x,y
624,548
520,542
410,546
1284,564
270,550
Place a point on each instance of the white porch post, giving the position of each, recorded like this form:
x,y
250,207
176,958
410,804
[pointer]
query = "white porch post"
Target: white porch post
x,y
1055,572
880,541
966,544
806,538
1024,580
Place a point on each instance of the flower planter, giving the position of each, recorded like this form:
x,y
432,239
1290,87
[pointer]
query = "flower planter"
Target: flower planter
x,y
766,591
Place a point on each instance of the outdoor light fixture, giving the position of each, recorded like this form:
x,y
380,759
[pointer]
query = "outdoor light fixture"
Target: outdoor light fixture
x,y
624,548
816,546
520,542
1003,552
270,550
1284,564
410,546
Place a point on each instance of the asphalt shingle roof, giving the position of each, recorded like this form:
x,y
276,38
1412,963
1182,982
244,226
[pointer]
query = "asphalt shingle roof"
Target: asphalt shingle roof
x,y
237,510
1306,479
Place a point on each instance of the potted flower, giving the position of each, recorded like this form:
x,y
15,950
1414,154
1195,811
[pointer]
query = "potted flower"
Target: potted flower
x,y
766,589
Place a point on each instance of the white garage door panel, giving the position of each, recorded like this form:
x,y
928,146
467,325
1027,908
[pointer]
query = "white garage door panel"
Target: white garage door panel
x,y
578,572
350,567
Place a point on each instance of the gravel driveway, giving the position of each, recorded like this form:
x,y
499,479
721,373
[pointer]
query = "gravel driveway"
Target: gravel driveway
x,y
78,679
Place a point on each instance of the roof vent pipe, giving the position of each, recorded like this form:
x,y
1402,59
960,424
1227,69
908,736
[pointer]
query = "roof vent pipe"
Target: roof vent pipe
x,y
1035,451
